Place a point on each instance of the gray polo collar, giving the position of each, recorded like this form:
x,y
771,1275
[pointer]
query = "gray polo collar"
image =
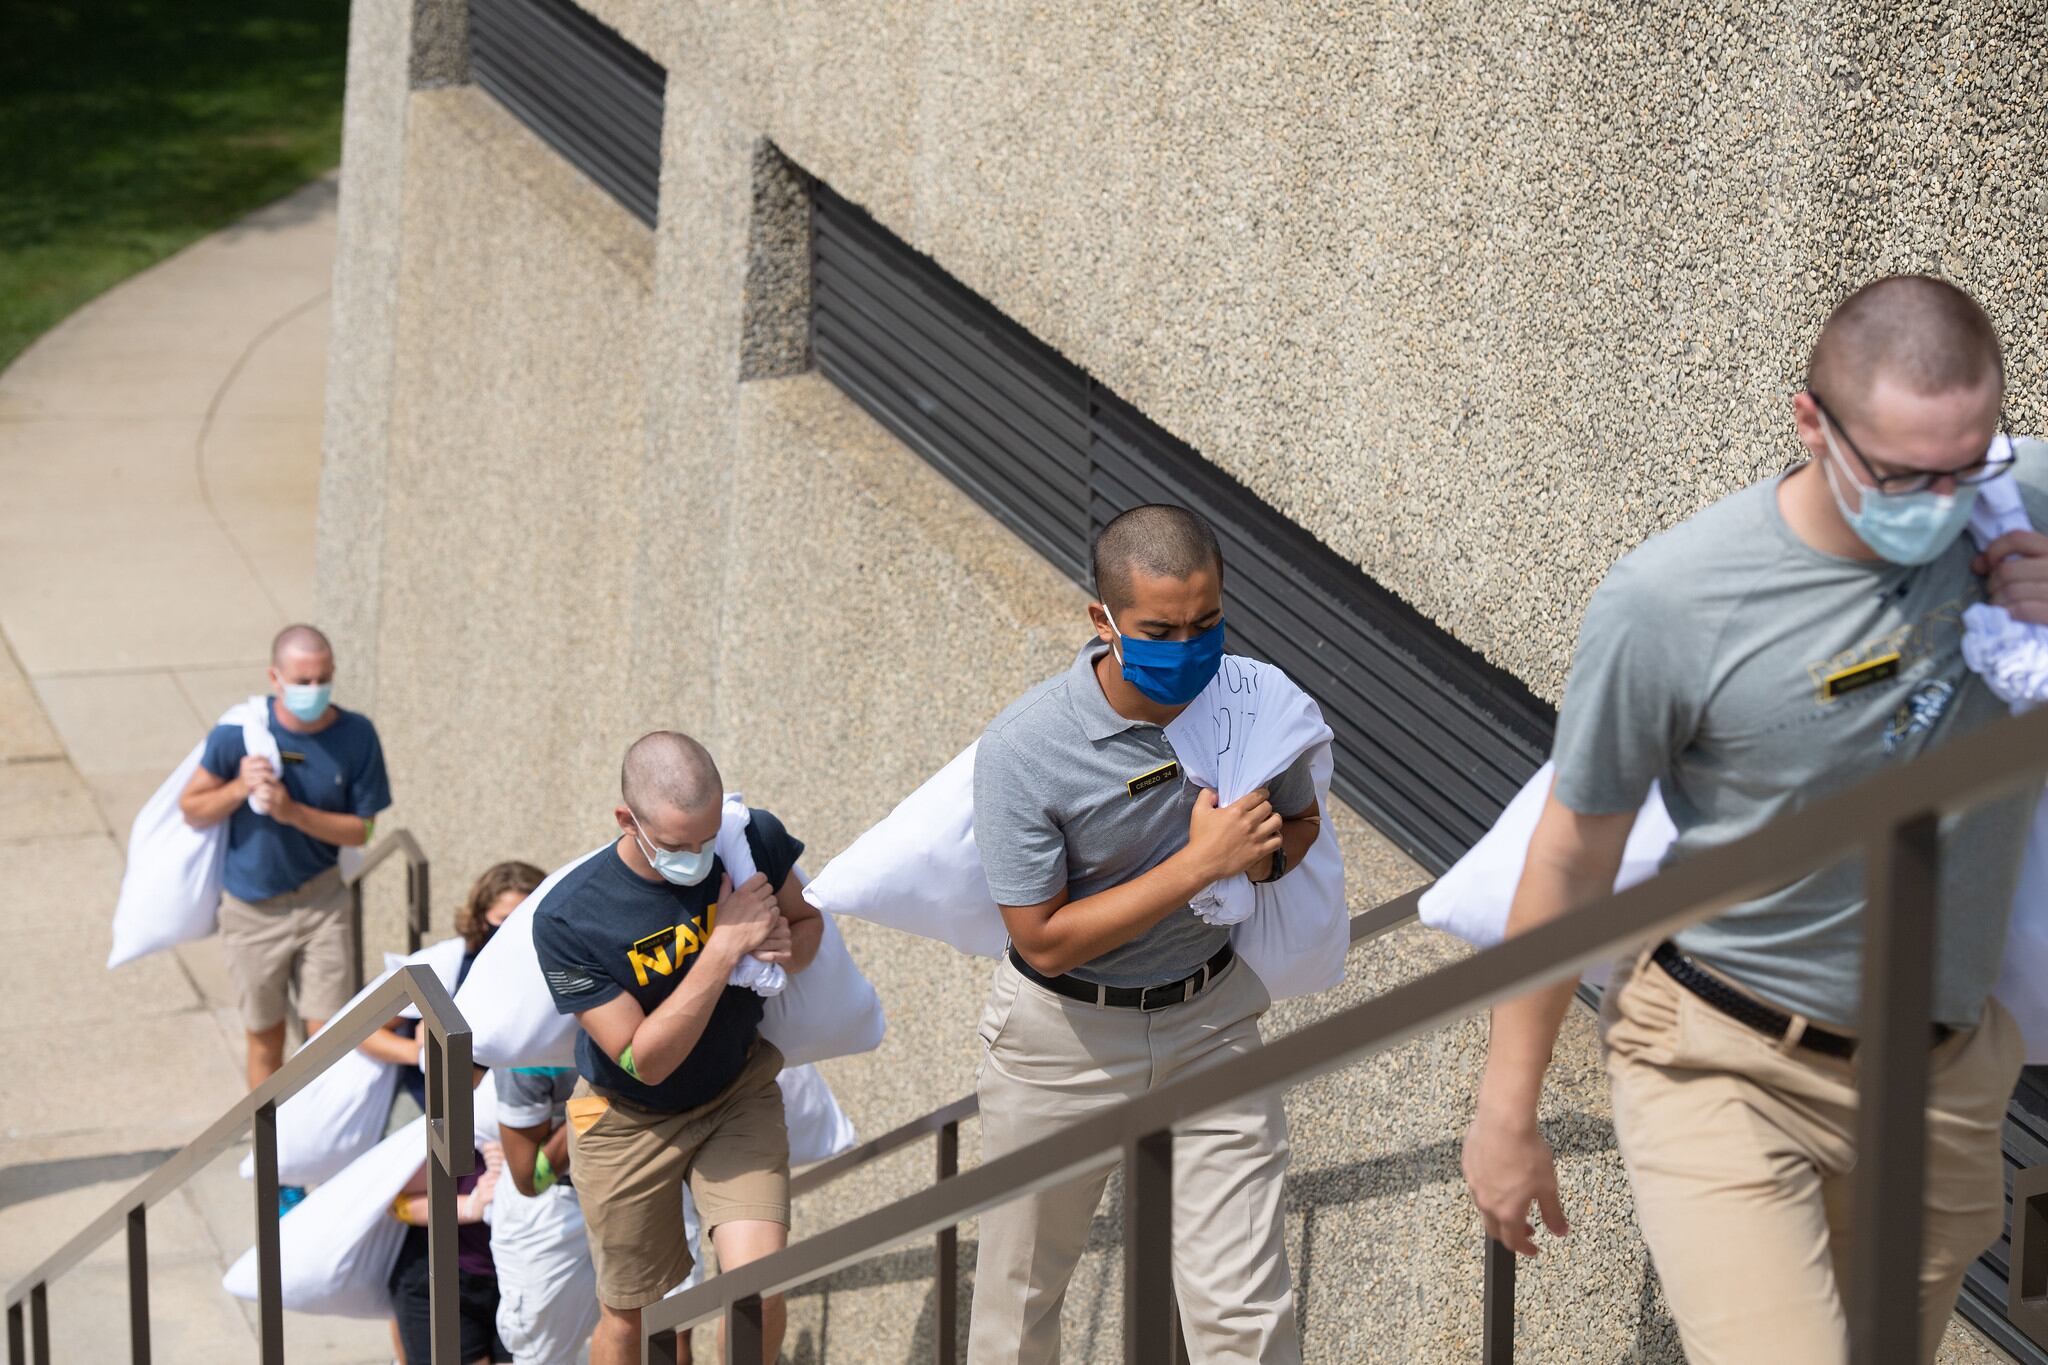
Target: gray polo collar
x,y
1098,719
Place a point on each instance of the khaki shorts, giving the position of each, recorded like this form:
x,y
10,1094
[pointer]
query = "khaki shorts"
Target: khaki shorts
x,y
294,943
629,1165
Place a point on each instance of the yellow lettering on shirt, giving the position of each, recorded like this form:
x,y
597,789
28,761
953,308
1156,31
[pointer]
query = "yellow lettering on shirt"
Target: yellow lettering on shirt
x,y
652,954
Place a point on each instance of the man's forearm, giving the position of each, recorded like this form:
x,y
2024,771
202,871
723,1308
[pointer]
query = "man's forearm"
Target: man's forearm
x,y
204,810
1083,930
330,827
666,1036
1524,1030
804,937
1298,836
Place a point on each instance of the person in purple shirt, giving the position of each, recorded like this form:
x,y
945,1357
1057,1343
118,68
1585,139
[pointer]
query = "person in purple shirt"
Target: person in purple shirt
x,y
476,1291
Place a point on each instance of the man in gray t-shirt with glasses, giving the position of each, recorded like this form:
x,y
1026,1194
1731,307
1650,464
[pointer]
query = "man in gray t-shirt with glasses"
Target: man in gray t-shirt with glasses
x,y
1782,645
1093,843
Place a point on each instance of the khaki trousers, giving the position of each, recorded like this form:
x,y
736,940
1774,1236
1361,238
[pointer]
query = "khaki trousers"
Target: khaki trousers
x,y
1049,1061
1741,1151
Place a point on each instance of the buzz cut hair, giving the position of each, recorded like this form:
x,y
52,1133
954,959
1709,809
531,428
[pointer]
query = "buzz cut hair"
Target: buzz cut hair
x,y
668,770
1158,539
299,638
1918,331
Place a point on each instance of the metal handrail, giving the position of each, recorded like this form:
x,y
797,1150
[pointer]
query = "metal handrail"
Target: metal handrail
x,y
944,1123
1893,818
418,908
451,1147
1367,924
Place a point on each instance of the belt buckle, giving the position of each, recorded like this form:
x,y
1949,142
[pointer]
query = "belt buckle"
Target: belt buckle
x,y
1145,1004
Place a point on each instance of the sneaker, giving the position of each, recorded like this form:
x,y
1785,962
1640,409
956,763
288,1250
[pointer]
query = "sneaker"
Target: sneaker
x,y
289,1197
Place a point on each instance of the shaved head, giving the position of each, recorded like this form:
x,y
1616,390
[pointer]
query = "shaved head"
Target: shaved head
x,y
299,639
668,769
1920,333
1156,539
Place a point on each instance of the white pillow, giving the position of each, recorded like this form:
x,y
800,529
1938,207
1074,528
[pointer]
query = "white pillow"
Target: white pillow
x,y
918,869
338,1246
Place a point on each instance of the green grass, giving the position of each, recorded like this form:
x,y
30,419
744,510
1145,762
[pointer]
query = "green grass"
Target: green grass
x,y
128,130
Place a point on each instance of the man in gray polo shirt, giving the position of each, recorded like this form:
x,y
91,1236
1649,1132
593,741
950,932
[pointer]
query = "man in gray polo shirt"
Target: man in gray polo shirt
x,y
1093,844
1787,642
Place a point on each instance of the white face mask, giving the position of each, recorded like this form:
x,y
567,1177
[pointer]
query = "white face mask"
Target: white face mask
x,y
1904,528
675,866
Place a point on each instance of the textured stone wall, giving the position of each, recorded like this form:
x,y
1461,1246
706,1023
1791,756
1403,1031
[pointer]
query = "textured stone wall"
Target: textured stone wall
x,y
1479,297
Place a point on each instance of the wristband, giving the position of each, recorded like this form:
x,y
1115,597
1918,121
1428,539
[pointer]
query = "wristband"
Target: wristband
x,y
401,1209
626,1063
543,1173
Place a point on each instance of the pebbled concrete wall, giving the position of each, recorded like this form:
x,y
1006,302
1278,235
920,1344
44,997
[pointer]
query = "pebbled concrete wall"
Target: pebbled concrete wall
x,y
1480,298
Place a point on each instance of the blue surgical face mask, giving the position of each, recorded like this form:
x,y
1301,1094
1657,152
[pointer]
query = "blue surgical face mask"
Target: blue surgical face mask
x,y
308,701
1170,672
673,865
1904,528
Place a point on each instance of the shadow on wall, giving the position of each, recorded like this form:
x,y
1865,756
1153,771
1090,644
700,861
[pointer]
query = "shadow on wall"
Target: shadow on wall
x,y
1574,1135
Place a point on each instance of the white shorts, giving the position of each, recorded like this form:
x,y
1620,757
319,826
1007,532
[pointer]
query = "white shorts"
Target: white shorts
x,y
547,1286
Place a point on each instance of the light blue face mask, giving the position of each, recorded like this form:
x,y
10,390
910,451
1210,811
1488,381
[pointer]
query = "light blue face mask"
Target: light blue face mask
x,y
673,865
1904,528
308,701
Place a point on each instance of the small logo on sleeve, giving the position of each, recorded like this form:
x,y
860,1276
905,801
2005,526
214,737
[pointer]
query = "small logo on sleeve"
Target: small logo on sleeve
x,y
1158,777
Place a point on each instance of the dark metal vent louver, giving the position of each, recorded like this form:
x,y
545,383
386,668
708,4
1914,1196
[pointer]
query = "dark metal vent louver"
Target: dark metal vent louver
x,y
587,92
1431,740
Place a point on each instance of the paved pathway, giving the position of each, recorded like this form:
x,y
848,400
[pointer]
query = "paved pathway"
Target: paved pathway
x,y
159,458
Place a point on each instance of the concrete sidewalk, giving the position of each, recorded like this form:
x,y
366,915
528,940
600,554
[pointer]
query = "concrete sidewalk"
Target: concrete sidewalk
x,y
160,453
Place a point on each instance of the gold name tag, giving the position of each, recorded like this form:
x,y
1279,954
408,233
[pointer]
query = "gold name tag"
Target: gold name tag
x,y
1145,782
1862,675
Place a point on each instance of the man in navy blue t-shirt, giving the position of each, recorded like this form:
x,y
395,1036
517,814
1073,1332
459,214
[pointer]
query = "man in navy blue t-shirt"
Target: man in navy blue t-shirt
x,y
639,943
283,920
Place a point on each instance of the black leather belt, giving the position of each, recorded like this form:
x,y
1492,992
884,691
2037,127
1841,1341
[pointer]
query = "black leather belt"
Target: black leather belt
x,y
1130,997
1747,1009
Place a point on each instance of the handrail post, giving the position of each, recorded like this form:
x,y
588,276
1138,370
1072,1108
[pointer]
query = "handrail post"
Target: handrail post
x,y
743,1331
1904,872
660,1348
39,1324
269,1256
1149,1309
419,912
946,1258
138,1285
355,931
451,1153
1497,1325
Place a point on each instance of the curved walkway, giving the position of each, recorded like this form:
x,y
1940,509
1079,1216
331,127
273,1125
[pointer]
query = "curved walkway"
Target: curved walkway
x,y
159,461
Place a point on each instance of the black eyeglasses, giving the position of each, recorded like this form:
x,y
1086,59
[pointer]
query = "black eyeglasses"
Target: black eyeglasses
x,y
1920,480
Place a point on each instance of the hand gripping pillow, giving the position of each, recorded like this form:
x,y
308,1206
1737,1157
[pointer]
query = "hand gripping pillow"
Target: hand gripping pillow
x,y
338,1246
170,891
919,870
1247,727
827,1010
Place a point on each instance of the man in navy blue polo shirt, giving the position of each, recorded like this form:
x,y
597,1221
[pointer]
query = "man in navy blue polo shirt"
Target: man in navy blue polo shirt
x,y
282,921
